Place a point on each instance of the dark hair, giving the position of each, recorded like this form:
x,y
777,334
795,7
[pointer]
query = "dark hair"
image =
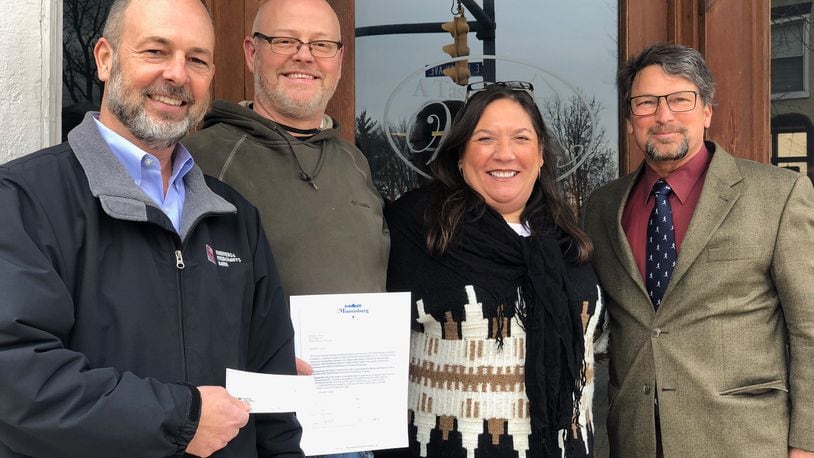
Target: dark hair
x,y
676,60
545,211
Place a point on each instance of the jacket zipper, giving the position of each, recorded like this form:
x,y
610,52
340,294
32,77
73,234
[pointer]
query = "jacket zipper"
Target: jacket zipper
x,y
179,260
179,265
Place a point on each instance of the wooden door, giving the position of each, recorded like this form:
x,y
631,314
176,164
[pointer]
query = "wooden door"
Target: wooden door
x,y
734,37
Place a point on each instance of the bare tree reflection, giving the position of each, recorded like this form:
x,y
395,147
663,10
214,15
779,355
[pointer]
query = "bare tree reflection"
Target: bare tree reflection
x,y
391,175
574,125
83,21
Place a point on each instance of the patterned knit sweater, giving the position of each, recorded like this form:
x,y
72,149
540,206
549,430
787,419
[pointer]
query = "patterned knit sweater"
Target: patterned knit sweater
x,y
466,393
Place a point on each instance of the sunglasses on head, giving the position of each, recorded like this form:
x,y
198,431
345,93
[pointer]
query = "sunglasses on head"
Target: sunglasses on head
x,y
480,86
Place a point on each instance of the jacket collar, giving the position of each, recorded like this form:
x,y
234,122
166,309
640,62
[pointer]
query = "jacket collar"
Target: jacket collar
x,y
621,245
121,198
721,191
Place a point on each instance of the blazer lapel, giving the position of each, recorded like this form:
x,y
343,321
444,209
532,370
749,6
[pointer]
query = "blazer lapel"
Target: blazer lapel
x,y
716,201
618,238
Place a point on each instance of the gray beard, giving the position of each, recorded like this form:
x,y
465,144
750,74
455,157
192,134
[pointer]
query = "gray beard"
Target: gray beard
x,y
157,135
289,107
679,153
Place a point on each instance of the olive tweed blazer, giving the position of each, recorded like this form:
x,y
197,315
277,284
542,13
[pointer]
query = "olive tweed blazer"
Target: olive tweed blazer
x,y
730,352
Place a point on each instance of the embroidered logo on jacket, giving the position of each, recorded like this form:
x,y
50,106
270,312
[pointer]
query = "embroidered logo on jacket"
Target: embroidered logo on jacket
x,y
221,258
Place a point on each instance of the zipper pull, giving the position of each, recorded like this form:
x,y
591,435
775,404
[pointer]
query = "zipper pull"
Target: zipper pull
x,y
179,260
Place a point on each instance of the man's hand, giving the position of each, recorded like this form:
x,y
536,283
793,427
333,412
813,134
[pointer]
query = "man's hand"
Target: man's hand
x,y
303,368
222,416
800,453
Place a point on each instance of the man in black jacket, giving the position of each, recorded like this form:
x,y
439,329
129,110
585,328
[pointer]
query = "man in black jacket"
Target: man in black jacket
x,y
129,281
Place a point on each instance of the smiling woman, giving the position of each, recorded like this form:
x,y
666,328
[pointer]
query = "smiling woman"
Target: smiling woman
x,y
505,303
502,160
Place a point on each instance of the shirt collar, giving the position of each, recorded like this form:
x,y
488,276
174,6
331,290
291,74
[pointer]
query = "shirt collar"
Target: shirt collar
x,y
182,163
133,158
681,180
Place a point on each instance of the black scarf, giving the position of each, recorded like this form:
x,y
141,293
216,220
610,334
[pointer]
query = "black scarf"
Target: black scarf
x,y
488,254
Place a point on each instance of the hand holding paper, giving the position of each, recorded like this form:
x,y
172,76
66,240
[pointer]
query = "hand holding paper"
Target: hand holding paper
x,y
222,416
358,346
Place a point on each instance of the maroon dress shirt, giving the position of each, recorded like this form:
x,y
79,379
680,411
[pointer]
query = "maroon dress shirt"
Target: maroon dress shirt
x,y
687,182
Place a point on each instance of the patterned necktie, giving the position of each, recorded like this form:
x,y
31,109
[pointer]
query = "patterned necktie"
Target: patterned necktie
x,y
661,244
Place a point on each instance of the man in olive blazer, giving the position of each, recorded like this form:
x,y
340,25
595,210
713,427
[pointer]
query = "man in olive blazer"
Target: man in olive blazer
x,y
724,366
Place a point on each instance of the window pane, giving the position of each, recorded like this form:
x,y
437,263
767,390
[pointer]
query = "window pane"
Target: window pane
x,y
405,101
787,75
797,166
788,39
791,144
792,107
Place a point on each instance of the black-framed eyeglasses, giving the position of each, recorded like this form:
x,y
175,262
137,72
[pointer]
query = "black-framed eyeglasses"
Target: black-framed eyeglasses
x,y
288,46
645,105
479,86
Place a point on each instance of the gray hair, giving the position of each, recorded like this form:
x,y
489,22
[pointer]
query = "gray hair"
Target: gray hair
x,y
113,25
115,16
676,60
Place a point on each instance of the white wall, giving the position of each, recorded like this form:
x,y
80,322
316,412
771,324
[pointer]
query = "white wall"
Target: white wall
x,y
30,76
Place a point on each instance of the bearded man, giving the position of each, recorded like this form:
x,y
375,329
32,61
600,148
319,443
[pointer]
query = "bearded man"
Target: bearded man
x,y
314,191
130,281
706,263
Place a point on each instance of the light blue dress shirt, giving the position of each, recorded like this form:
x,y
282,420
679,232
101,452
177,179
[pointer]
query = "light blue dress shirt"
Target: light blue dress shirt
x,y
145,169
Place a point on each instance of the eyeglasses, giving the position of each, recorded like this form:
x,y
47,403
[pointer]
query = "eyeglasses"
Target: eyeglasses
x,y
288,46
480,86
645,105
